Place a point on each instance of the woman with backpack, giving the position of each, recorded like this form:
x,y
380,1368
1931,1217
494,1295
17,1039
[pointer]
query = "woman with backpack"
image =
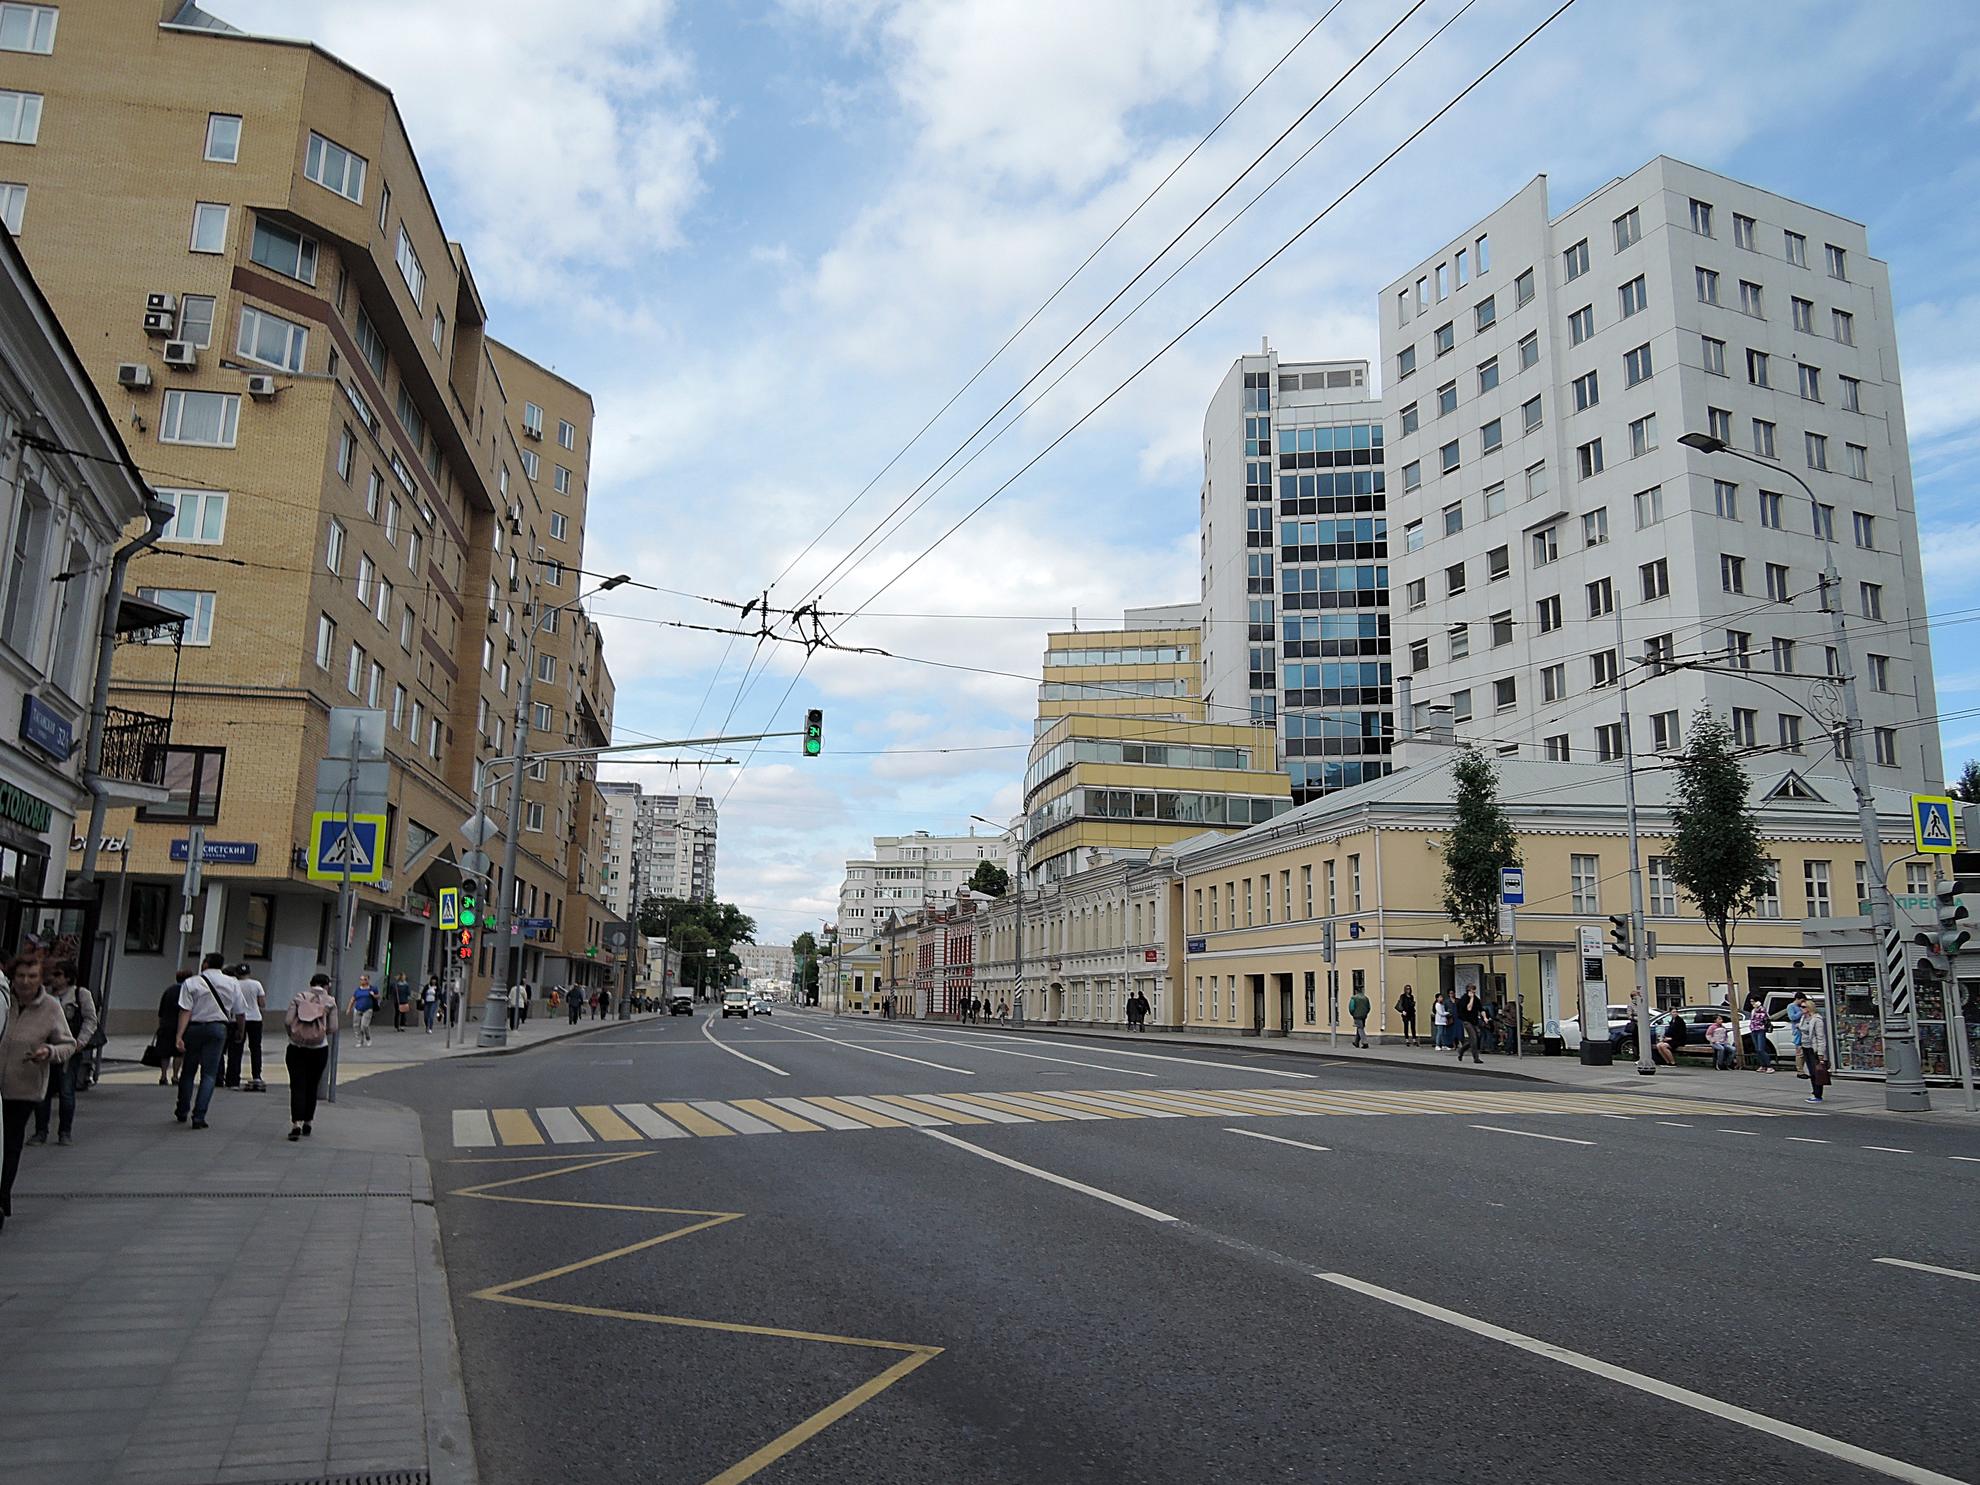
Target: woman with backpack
x,y
312,1021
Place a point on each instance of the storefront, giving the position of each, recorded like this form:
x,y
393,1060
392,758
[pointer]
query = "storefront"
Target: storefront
x,y
1856,1025
34,838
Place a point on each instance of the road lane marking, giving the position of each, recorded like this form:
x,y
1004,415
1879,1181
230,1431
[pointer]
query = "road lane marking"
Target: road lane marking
x,y
1969,1159
1008,1105
740,1122
1057,1180
853,1111
1041,1104
1270,1072
830,1118
788,1122
1559,1139
982,1113
1929,1268
563,1127
707,1030
907,1115
945,1116
693,1120
1073,1106
980,1043
1887,1149
1712,1407
897,1056
1163,1103
1673,1124
472,1131
516,1128
1802,1139
1277,1139
1126,1106
651,1124
1752,1134
605,1123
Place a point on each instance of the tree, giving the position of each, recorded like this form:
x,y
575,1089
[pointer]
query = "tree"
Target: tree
x,y
694,926
1716,853
990,879
1967,789
1481,841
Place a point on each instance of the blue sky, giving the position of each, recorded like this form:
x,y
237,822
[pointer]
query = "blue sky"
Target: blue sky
x,y
774,236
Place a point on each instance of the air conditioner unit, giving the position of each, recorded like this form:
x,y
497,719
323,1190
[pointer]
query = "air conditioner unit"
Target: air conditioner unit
x,y
133,374
182,354
160,322
161,304
261,387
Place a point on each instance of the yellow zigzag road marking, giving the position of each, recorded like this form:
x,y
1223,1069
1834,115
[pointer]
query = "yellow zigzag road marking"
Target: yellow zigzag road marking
x,y
912,1355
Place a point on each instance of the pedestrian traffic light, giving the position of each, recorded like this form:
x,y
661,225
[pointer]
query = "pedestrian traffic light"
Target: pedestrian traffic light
x,y
1619,934
814,733
591,951
468,910
466,944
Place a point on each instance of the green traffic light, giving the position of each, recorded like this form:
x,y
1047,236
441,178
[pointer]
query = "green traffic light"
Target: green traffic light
x,y
467,912
814,733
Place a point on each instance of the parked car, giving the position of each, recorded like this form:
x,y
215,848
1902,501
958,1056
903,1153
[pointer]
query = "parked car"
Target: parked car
x,y
1697,1018
1571,1028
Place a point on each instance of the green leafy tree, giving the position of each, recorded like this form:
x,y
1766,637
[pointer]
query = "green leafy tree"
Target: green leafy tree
x,y
990,879
1968,788
1716,853
695,926
1481,841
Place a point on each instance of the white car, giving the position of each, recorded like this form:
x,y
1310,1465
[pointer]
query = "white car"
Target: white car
x,y
1571,1027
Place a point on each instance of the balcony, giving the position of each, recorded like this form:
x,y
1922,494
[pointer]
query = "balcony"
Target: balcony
x,y
134,746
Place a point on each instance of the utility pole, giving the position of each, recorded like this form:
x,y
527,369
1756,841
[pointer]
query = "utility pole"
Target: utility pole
x,y
1639,944
329,1089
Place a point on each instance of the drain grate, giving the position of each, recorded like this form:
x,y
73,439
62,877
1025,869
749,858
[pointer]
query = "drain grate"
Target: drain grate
x,y
217,1196
366,1477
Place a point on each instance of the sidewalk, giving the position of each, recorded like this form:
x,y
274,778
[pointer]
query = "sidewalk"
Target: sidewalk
x,y
1780,1091
222,1305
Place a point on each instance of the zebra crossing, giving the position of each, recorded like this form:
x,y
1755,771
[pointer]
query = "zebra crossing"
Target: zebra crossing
x,y
817,1113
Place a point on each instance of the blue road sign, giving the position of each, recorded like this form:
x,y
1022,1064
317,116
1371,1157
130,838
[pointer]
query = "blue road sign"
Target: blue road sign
x,y
1512,885
1932,824
332,851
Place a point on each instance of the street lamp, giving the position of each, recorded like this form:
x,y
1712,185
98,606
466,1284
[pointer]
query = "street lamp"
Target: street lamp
x,y
1017,973
1904,1081
494,1022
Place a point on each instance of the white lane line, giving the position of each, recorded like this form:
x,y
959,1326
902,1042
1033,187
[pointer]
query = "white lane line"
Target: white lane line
x,y
1612,1116
1277,1139
1057,1180
472,1130
564,1127
897,1056
707,1030
1887,1149
979,1043
1673,1124
894,1111
1929,1268
1270,1072
830,1118
1802,1139
736,1119
649,1123
995,1116
1752,1134
1712,1407
1559,1139
1969,1159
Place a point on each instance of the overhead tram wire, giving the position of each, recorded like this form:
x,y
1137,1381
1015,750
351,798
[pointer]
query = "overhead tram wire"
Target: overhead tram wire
x,y
1064,284
852,554
1229,294
1143,302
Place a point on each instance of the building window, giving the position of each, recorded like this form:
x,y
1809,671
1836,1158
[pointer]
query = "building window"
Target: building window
x,y
20,117
1529,351
1595,527
199,516
370,344
1629,228
1602,669
1575,260
1502,628
1484,312
1411,420
1745,722
1444,338
1608,742
1719,423
1635,297
1546,545
1845,325
333,551
1581,324
1642,435
1763,438
1887,749
1770,509
1708,286
1405,362
1725,500
1858,463
1454,579
1447,456
1818,451
1488,374
144,925
1588,458
1664,733
1713,355
1701,217
1601,597
1838,261
1871,596
1777,583
1505,693
1587,391
559,525
1656,579
271,340
1555,748
1810,378
1461,705
1756,368
196,606
28,28
1815,889
326,640
196,319
1880,672
529,463
409,269
334,168
209,227
1662,887
1852,394
288,253
209,418
1523,289
1803,311
1495,500
1529,414
1447,399
1459,637
1825,521
1649,506
1636,366
1498,563
1752,300
439,332
1790,731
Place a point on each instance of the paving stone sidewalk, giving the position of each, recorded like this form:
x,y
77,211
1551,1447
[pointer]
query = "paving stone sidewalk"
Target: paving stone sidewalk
x,y
184,1306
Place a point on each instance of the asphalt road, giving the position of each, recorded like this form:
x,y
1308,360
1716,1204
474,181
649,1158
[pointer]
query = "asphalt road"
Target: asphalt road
x,y
1418,1287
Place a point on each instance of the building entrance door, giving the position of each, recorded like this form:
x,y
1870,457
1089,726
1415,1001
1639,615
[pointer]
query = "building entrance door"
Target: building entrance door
x,y
1285,1005
1257,1004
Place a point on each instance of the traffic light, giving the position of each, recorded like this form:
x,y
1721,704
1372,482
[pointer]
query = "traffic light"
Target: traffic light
x,y
468,910
466,950
814,733
591,951
1619,934
1943,945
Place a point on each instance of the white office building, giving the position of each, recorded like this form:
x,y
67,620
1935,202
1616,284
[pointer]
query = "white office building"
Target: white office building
x,y
1295,568
904,871
1540,369
657,845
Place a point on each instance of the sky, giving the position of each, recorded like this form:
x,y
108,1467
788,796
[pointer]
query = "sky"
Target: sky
x,y
775,238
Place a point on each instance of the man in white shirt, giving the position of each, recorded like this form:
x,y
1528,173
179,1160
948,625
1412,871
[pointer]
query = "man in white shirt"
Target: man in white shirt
x,y
254,1000
209,1004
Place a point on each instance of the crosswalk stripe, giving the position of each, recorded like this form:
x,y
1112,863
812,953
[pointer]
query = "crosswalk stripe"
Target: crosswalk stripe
x,y
1009,1106
866,1117
1337,1103
607,1124
516,1128
1170,1104
830,1118
1032,1103
472,1131
934,1106
740,1122
907,1113
790,1123
1218,1098
651,1124
973,1111
563,1127
692,1120
1071,1100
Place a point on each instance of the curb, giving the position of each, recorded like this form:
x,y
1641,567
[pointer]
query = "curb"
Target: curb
x,y
544,1041
449,1437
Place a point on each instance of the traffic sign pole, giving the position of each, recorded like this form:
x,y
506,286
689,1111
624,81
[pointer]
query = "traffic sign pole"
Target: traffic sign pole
x,y
1512,892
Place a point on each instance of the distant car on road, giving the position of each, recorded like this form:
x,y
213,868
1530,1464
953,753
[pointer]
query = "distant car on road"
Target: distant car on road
x,y
761,1006
735,1003
680,1003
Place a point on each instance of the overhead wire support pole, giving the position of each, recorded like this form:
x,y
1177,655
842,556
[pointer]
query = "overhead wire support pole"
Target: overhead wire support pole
x,y
1639,944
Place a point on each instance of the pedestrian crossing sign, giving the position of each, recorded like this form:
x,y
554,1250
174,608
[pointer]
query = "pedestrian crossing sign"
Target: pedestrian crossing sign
x,y
333,850
1932,827
450,909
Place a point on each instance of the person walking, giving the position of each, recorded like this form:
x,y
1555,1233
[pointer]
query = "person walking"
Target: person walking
x,y
254,1001
364,1005
401,994
79,1013
1406,1008
1004,1013
522,1010
1469,1015
429,1002
312,1022
514,998
575,1002
1814,1031
1358,1009
209,1005
36,1039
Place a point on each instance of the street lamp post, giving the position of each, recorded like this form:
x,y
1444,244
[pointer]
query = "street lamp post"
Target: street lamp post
x,y
494,1022
1904,1081
1017,974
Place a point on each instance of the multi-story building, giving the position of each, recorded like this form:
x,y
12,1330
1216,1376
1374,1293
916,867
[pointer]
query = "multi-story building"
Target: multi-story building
x,y
906,871
298,352
1294,554
766,961
1541,369
656,845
